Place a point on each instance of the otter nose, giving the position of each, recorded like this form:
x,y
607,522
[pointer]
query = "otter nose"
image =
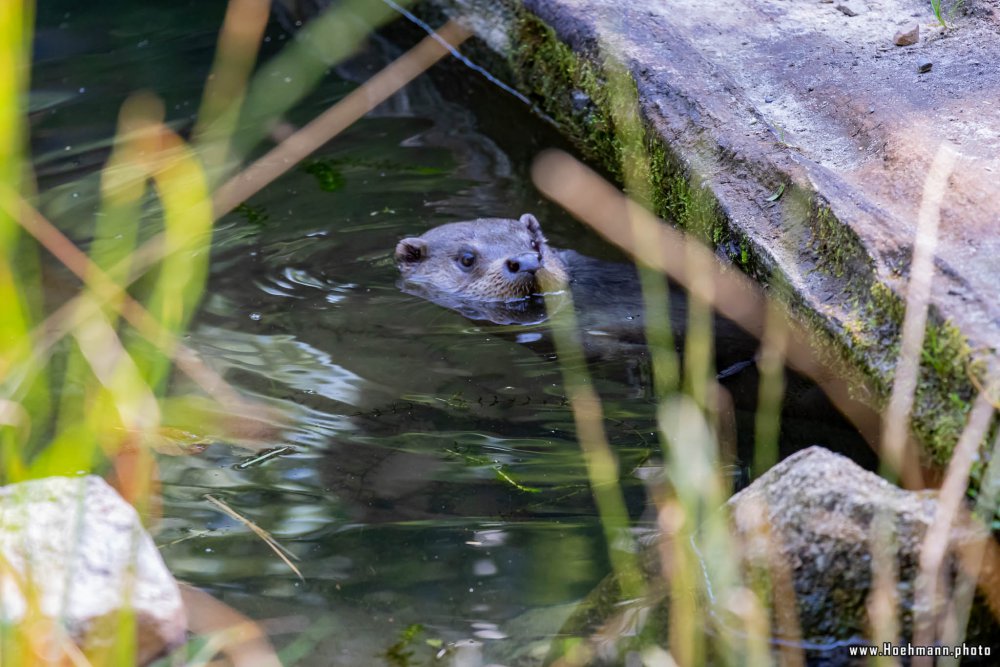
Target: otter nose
x,y
527,263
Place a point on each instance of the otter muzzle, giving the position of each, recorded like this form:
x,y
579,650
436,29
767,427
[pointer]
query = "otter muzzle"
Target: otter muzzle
x,y
528,262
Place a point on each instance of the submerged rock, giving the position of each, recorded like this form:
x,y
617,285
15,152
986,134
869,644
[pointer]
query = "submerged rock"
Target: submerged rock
x,y
77,550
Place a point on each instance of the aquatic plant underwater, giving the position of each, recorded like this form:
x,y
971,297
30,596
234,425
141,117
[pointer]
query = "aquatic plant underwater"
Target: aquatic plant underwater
x,y
86,385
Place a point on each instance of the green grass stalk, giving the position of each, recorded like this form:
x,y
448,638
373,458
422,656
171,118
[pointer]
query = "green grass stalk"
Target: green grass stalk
x,y
601,463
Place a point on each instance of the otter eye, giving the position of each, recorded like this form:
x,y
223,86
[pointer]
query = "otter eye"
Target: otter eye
x,y
534,246
467,259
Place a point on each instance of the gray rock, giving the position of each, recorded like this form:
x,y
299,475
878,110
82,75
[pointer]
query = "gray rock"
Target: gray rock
x,y
908,36
814,513
83,552
803,528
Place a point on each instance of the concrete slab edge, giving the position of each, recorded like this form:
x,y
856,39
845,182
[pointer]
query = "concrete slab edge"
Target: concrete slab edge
x,y
796,244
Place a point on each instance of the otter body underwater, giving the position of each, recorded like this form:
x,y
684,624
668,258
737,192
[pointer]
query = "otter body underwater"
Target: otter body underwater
x,y
497,269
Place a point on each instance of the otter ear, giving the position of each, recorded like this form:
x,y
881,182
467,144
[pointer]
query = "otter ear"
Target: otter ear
x,y
531,222
410,251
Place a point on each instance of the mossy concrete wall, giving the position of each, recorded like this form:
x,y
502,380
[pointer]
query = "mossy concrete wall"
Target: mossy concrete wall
x,y
809,210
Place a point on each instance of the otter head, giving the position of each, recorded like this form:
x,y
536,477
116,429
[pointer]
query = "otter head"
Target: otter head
x,y
468,265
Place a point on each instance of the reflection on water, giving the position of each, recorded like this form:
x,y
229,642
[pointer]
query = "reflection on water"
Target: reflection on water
x,y
432,474
283,360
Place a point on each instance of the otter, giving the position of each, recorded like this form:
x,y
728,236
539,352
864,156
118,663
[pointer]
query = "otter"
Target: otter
x,y
493,269
499,269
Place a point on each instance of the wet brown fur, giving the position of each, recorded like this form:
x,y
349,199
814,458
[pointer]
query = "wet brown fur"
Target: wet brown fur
x,y
434,259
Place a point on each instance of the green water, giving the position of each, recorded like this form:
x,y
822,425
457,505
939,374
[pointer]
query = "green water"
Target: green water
x,y
430,471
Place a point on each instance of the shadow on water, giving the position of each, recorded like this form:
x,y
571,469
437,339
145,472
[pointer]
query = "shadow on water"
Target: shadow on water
x,y
433,474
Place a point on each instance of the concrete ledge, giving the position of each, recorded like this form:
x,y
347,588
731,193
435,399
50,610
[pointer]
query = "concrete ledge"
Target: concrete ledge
x,y
741,102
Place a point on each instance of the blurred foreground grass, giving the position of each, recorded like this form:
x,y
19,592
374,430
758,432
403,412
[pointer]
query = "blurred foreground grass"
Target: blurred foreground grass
x,y
85,386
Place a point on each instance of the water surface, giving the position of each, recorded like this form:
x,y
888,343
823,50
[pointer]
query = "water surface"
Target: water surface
x,y
430,472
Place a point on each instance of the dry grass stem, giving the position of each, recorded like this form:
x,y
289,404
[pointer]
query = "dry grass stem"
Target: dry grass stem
x,y
936,542
135,401
883,600
596,202
337,118
190,536
771,389
13,414
601,464
980,570
918,293
295,147
240,639
282,553
104,290
753,615
239,42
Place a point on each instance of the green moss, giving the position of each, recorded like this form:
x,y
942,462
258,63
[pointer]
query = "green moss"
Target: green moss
x,y
570,89
255,215
838,249
887,306
827,241
328,176
944,390
576,93
574,90
691,207
401,654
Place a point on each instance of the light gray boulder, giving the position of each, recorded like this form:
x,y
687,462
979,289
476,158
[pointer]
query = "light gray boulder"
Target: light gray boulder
x,y
80,551
816,520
